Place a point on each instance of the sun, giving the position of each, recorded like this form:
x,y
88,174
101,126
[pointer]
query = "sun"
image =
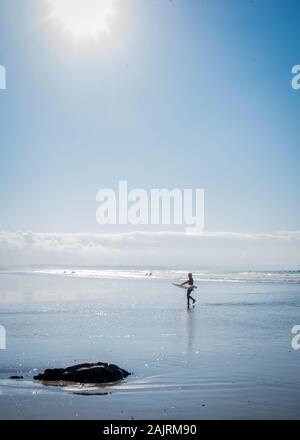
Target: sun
x,y
83,18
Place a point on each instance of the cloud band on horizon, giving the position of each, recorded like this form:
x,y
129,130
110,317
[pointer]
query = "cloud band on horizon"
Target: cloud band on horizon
x,y
273,249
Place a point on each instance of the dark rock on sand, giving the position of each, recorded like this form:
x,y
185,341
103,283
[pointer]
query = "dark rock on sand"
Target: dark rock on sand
x,y
99,372
16,377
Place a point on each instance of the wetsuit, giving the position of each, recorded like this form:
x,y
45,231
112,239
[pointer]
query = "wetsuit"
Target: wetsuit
x,y
189,291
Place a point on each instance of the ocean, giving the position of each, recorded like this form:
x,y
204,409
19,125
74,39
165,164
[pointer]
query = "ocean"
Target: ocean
x,y
230,356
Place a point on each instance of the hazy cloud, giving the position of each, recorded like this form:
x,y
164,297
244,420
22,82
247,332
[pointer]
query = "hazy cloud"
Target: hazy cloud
x,y
209,248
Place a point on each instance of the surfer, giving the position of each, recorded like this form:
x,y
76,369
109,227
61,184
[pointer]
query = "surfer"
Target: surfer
x,y
189,282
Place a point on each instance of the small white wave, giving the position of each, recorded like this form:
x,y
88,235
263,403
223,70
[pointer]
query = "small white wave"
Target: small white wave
x,y
171,274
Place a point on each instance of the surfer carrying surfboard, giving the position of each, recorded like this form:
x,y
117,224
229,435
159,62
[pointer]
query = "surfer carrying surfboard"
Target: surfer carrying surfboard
x,y
190,284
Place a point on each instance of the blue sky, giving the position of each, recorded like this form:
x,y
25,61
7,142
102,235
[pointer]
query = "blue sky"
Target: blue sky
x,y
187,94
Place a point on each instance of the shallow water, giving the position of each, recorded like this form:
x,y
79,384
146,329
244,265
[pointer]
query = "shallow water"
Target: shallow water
x,y
228,357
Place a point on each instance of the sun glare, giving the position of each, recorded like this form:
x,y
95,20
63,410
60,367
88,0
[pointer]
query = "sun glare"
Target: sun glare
x,y
84,18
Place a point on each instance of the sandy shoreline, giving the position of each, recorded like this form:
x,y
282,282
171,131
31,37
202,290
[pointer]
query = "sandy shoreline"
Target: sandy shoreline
x,y
229,357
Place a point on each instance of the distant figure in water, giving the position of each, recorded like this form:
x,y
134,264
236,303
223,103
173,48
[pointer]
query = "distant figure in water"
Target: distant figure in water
x,y
189,282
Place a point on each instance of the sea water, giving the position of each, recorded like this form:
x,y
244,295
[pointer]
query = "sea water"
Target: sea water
x,y
230,356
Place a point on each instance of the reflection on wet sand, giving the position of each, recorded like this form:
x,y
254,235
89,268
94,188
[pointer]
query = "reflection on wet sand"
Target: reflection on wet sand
x,y
187,319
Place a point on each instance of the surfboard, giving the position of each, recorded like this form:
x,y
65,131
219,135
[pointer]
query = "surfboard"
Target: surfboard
x,y
185,286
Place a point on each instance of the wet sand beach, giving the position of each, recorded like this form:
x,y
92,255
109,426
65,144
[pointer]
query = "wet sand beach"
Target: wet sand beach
x,y
229,357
